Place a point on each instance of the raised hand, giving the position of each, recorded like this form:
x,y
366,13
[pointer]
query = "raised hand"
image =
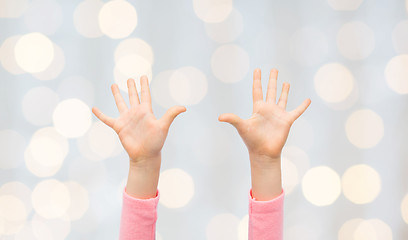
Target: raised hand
x,y
141,134
266,131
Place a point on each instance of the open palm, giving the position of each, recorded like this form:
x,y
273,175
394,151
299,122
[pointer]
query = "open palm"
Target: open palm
x,y
266,131
141,134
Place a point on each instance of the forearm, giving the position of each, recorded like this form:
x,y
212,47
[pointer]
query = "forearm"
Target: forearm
x,y
143,178
265,177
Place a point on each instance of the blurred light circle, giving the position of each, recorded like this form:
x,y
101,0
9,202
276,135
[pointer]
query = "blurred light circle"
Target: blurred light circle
x,y
243,228
364,128
38,105
117,19
134,46
400,37
72,118
7,56
160,89
346,232
298,157
13,214
44,156
26,233
188,85
372,229
289,175
55,68
345,5
230,63
309,46
86,18
34,52
77,87
131,66
321,186
223,227
13,9
12,145
355,40
176,188
79,200
52,133
333,82
102,140
19,190
51,199
54,229
404,208
44,16
396,74
227,30
361,184
212,11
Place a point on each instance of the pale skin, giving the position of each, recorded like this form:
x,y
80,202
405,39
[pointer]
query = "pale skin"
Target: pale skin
x,y
265,134
143,136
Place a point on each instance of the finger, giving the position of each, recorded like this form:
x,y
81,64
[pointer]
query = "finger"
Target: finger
x,y
171,114
283,99
271,92
120,103
105,119
296,113
145,91
232,119
133,96
257,86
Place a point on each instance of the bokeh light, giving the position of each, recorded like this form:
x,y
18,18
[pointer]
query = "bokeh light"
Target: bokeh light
x,y
38,105
131,66
345,5
134,46
243,228
51,199
12,9
355,40
55,68
7,56
160,89
227,30
223,227
176,188
86,18
364,128
372,229
404,208
12,145
55,229
321,186
188,85
34,52
212,11
333,82
400,37
72,118
290,176
396,74
361,184
230,63
13,214
346,232
117,19
79,201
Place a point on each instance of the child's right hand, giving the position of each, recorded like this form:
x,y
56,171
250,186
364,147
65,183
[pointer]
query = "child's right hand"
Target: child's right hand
x,y
141,134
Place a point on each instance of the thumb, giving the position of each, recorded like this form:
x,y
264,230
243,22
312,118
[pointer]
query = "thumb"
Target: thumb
x,y
171,114
231,118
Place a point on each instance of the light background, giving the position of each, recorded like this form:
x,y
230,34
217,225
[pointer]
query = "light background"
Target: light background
x,y
345,166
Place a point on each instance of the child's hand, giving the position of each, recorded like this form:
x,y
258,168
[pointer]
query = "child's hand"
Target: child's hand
x,y
266,131
141,134
265,134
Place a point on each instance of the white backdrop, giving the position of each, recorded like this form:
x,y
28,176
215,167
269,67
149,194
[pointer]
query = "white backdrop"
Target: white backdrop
x,y
345,166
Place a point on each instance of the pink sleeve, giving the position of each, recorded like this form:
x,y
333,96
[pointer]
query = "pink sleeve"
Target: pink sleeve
x,y
265,218
138,219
